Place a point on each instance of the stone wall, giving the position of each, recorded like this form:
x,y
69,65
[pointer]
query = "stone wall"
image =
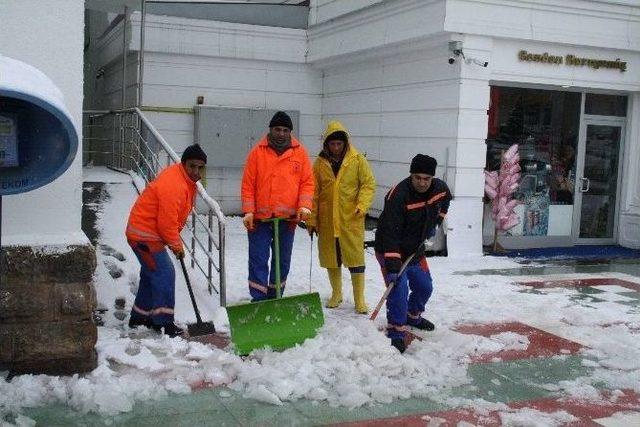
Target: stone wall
x,y
47,300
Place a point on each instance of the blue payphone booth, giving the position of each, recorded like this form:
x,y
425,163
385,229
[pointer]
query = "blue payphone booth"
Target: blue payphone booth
x,y
38,140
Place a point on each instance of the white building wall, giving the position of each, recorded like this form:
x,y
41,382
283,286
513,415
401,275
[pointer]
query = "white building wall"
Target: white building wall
x,y
325,10
599,23
176,81
231,65
629,224
49,36
95,25
387,77
464,222
106,50
382,28
396,107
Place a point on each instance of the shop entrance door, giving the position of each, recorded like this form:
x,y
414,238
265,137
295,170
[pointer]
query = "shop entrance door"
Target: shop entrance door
x,y
597,186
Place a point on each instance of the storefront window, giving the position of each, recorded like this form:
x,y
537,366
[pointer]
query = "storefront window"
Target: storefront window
x,y
605,105
545,124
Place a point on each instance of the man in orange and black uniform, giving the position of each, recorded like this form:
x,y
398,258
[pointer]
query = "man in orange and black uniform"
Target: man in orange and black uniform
x,y
412,210
155,221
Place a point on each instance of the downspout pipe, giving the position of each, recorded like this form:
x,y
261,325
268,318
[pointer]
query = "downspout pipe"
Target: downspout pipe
x,y
124,57
141,51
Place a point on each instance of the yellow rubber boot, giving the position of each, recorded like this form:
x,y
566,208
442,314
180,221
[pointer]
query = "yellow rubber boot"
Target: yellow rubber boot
x,y
357,281
335,278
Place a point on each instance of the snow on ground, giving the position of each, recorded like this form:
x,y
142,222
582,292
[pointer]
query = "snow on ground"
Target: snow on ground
x,y
350,363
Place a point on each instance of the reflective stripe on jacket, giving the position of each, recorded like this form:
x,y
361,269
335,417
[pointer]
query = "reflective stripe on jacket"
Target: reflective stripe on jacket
x,y
409,217
275,185
163,208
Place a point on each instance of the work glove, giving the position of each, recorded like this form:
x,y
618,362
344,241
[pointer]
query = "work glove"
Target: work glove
x,y
248,221
303,214
178,252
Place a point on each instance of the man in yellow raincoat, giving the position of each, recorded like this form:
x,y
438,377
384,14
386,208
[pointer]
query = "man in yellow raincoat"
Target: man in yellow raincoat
x,y
344,191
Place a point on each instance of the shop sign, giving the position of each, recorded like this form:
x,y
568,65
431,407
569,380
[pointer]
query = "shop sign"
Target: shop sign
x,y
572,60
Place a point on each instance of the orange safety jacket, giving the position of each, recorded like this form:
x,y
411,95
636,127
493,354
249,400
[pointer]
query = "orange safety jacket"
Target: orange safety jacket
x,y
275,185
163,208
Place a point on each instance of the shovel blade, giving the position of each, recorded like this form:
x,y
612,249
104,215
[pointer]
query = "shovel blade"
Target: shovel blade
x,y
218,339
277,323
200,329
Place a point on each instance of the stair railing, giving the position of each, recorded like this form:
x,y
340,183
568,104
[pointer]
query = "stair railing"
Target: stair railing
x,y
126,140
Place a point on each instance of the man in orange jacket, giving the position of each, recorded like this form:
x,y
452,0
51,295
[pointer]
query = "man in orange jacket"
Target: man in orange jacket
x,y
155,221
277,182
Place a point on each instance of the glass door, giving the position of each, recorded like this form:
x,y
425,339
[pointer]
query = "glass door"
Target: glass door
x,y
598,180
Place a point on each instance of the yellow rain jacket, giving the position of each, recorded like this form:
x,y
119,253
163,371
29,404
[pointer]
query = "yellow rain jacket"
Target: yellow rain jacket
x,y
336,201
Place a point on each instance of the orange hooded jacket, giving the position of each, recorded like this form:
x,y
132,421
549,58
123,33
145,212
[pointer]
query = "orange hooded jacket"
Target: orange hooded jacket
x,y
163,208
275,185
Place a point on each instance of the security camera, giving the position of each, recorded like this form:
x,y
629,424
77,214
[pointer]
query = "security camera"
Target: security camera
x,y
484,64
452,59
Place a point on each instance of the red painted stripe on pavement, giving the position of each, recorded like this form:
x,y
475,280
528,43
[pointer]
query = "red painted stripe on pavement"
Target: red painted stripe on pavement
x,y
585,410
541,343
578,283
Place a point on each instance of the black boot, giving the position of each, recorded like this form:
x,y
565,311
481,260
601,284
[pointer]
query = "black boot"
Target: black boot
x,y
399,344
170,329
134,323
422,324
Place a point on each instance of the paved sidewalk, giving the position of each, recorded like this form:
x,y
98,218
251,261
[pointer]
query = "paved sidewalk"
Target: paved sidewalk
x,y
528,377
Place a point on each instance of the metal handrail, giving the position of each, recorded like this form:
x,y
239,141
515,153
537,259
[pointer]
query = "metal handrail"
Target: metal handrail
x,y
136,145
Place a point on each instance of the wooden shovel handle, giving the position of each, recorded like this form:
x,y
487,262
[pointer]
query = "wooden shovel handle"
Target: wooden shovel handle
x,y
390,287
386,293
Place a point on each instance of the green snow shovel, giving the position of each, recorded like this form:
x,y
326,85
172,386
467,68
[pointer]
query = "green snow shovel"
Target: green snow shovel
x,y
278,323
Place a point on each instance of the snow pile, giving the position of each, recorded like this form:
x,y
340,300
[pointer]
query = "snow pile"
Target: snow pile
x,y
349,364
501,342
527,417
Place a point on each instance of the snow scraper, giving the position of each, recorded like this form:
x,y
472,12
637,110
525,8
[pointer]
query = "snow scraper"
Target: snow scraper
x,y
199,328
278,323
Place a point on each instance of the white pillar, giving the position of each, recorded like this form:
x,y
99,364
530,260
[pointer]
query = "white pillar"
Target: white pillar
x,y
629,223
466,165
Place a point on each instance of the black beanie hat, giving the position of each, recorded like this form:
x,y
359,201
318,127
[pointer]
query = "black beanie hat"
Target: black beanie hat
x,y
422,163
194,152
281,119
339,135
